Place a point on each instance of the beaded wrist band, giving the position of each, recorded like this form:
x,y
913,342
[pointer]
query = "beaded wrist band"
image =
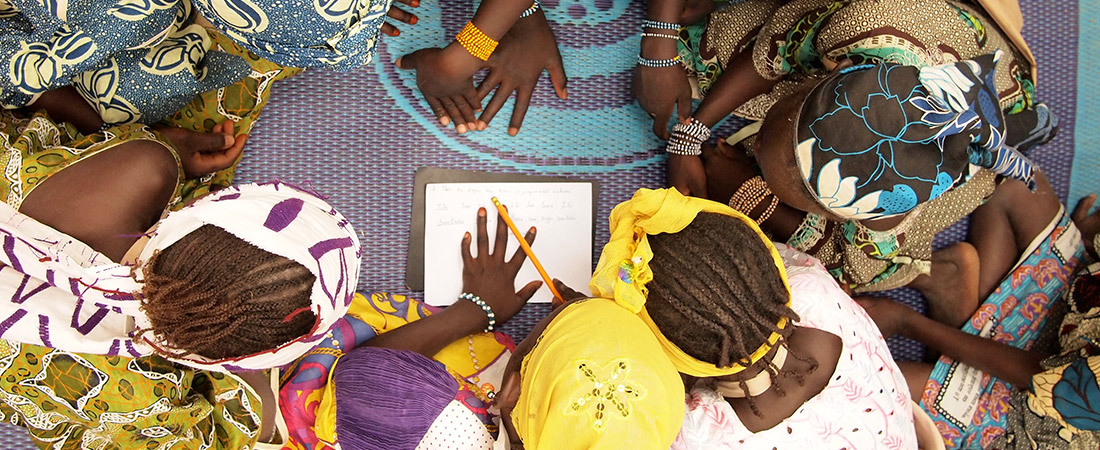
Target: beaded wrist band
x,y
661,35
688,139
750,194
656,25
476,42
484,307
658,62
534,7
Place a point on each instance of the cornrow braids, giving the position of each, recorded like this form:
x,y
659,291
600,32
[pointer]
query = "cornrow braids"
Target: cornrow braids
x,y
214,295
716,292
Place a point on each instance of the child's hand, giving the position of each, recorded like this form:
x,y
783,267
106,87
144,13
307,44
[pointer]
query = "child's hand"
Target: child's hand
x,y
686,173
205,153
515,66
445,78
891,317
726,169
568,294
492,278
400,15
1089,224
658,90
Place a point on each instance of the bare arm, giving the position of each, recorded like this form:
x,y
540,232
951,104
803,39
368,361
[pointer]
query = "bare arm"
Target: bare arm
x,y
1000,360
429,335
738,84
64,104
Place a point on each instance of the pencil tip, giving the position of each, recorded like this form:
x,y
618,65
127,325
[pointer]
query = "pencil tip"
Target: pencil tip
x,y
495,201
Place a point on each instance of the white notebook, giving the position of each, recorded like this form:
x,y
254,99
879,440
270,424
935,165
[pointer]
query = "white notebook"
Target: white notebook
x,y
560,211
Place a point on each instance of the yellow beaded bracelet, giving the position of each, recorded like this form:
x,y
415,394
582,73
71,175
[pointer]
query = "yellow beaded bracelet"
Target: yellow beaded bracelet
x,y
476,42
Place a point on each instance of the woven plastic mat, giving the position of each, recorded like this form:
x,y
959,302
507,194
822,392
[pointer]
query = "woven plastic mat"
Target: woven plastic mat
x,y
359,137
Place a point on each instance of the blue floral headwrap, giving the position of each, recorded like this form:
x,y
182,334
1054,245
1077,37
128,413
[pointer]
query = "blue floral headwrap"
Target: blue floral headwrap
x,y
877,140
302,33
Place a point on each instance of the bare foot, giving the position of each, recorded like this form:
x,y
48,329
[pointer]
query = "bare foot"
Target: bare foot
x,y
952,287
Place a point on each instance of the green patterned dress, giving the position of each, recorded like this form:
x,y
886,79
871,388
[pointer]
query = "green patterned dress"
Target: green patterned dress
x,y
82,401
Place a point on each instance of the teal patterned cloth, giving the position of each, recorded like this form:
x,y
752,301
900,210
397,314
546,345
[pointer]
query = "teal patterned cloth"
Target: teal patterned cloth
x,y
340,34
134,61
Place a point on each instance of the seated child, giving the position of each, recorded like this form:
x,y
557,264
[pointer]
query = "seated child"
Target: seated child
x,y
1023,251
864,201
425,378
780,354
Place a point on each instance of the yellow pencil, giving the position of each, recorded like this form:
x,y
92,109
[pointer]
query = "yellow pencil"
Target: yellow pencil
x,y
527,249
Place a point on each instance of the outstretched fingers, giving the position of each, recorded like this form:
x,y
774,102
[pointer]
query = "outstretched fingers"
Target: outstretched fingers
x,y
558,78
528,290
523,100
519,256
499,98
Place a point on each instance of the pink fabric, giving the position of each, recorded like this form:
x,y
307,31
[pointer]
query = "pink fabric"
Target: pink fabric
x,y
865,405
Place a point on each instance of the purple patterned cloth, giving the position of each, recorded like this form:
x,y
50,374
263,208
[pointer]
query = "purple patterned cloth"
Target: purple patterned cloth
x,y
388,399
70,297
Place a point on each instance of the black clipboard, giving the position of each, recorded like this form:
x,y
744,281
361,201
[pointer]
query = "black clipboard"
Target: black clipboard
x,y
414,265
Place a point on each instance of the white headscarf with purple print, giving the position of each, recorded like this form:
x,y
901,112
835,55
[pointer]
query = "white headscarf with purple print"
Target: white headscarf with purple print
x,y
70,297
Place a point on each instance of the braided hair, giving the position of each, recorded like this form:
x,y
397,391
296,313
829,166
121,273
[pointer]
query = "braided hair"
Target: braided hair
x,y
717,294
217,296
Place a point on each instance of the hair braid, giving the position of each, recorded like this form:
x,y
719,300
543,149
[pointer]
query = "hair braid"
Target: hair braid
x,y
716,292
215,295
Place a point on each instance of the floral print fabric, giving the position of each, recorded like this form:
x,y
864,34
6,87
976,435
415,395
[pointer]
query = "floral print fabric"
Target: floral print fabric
x,y
877,140
805,37
970,407
865,405
302,33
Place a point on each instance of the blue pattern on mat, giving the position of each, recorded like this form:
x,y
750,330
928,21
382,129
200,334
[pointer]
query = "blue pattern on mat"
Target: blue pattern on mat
x,y
1086,163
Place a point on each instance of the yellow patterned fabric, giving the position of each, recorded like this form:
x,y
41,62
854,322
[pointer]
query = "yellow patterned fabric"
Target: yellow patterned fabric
x,y
80,401
596,380
623,270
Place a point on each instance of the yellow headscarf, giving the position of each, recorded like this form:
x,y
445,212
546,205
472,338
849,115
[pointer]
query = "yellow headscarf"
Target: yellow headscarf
x,y
596,379
623,270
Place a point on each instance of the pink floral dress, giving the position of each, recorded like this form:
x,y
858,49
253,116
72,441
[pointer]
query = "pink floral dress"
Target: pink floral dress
x,y
865,405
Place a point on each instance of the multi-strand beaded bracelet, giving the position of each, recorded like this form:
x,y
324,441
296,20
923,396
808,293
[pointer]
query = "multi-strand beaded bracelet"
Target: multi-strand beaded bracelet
x,y
648,26
480,44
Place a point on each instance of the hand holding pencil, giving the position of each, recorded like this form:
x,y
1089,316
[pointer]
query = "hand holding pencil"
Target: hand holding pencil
x,y
558,299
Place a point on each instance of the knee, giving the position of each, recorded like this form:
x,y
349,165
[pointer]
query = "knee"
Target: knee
x,y
149,165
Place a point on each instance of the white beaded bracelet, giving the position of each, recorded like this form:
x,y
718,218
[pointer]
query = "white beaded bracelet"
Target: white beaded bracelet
x,y
484,307
688,139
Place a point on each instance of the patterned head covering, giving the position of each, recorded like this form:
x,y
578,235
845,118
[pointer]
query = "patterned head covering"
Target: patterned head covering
x,y
877,140
302,33
597,380
396,399
75,299
623,270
